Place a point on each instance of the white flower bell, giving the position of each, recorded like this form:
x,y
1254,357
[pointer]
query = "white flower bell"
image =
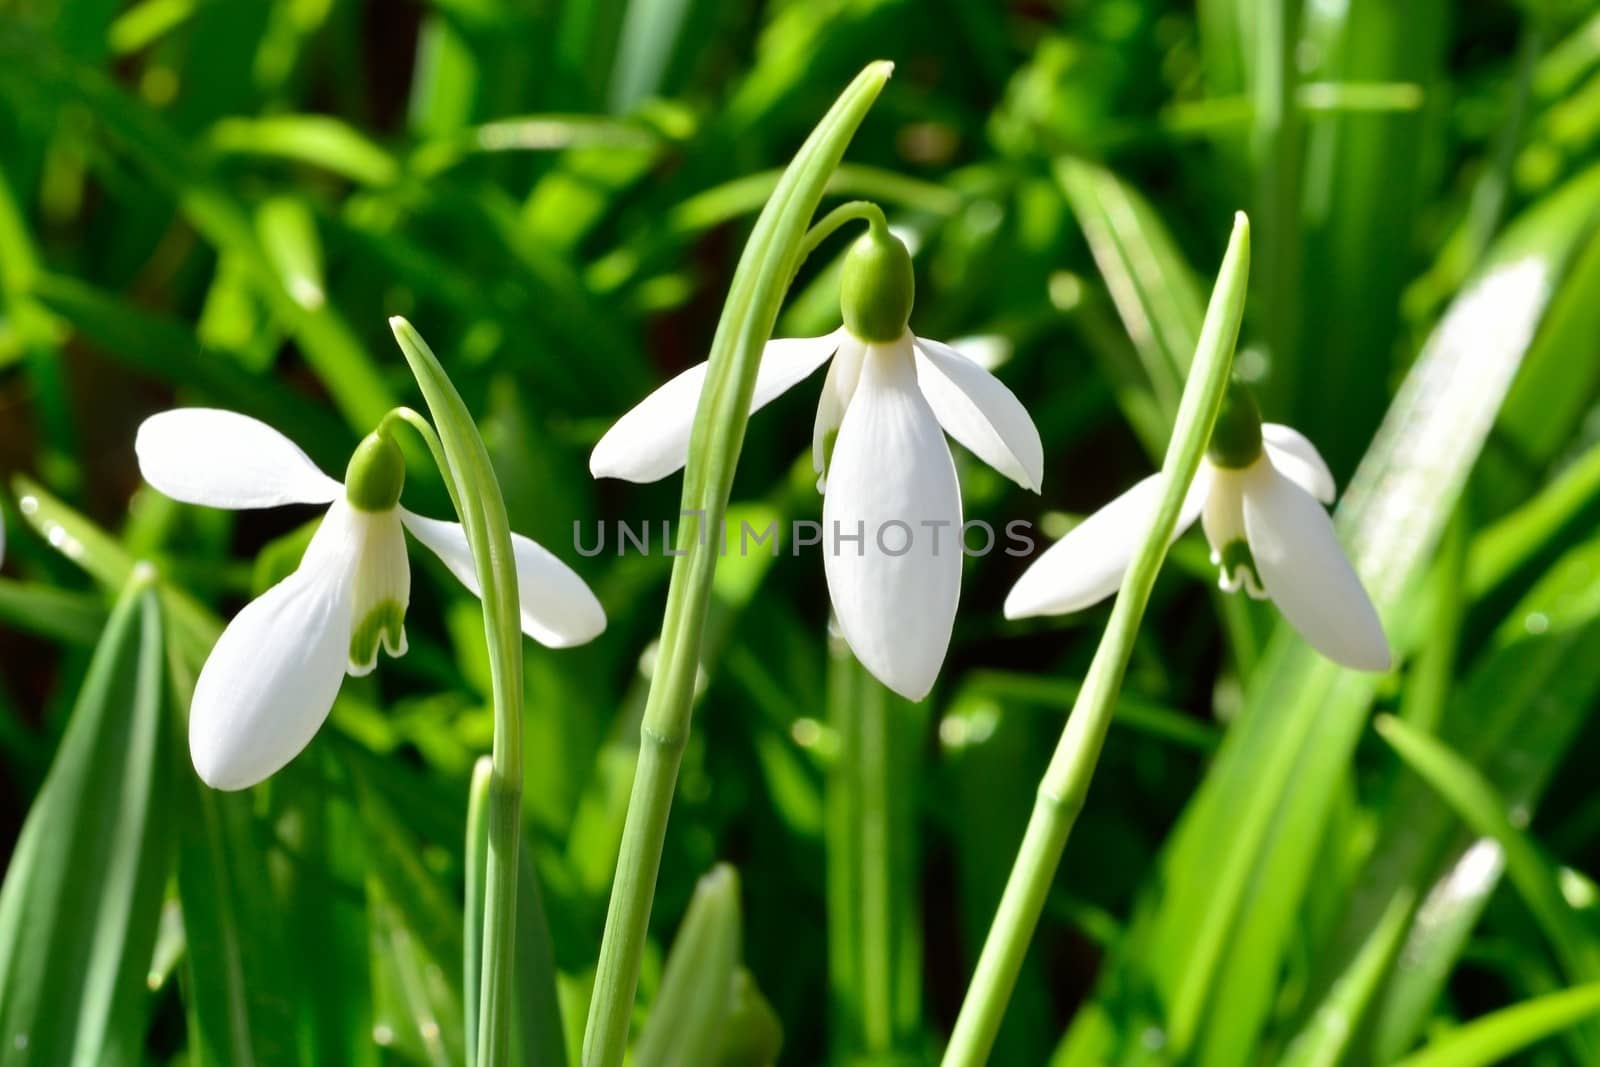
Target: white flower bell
x,y
1258,495
892,507
271,679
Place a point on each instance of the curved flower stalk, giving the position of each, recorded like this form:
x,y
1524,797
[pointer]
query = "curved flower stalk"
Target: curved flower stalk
x,y
271,679
1259,496
891,511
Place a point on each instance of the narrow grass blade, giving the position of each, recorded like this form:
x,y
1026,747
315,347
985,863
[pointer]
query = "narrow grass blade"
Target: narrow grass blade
x,y
57,614
81,901
1515,717
1493,1038
1477,804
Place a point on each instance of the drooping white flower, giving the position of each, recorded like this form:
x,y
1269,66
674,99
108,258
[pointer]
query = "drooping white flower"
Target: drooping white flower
x,y
1259,496
271,678
891,510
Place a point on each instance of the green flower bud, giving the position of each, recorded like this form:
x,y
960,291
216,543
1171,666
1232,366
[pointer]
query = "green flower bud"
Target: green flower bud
x,y
877,288
1236,437
376,473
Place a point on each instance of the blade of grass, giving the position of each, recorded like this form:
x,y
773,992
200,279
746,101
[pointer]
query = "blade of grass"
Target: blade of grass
x,y
1491,1039
82,896
361,393
1475,801
1516,715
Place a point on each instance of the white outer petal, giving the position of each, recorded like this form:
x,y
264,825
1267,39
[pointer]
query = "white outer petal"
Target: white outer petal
x,y
891,465
226,460
1087,565
1298,459
1306,573
652,439
978,410
271,678
558,609
837,389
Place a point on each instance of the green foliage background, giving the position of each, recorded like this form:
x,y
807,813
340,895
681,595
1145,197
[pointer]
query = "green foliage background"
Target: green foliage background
x,y
222,202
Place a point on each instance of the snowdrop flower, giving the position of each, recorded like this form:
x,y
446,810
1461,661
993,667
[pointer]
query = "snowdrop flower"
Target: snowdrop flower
x,y
1258,495
891,514
270,681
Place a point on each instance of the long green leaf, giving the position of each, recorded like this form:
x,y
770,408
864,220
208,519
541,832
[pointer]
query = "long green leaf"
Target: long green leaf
x,y
1476,802
32,66
1517,714
82,896
1493,1038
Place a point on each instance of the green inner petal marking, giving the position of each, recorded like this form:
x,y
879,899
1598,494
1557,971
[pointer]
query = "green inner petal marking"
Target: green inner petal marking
x,y
385,623
1237,562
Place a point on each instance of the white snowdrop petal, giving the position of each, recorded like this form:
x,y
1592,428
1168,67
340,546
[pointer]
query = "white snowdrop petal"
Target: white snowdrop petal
x,y
837,389
1298,459
226,460
1305,572
558,608
380,589
651,441
1087,565
978,410
892,481
1222,517
272,676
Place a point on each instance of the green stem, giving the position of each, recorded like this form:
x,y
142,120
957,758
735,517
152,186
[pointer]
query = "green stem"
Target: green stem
x,y
1276,148
874,973
425,430
475,491
872,759
763,275
1066,781
477,854
864,210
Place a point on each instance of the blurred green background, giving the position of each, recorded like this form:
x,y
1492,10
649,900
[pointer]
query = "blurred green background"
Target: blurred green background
x,y
220,203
